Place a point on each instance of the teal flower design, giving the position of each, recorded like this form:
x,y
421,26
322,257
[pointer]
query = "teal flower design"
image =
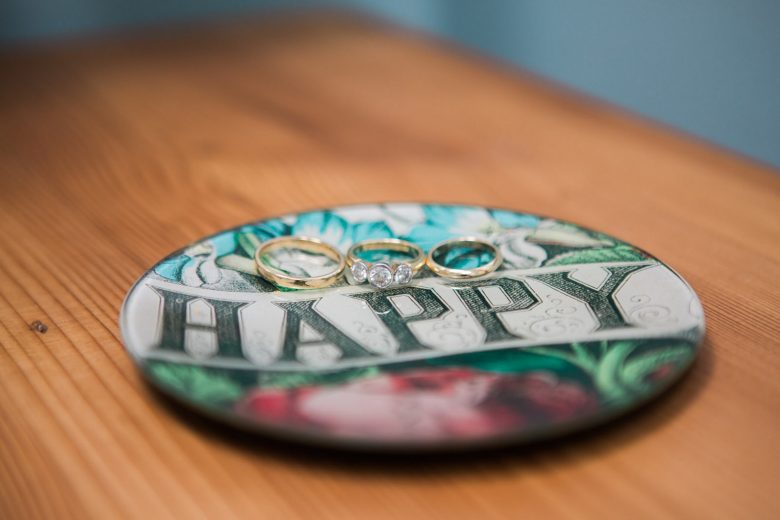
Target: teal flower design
x,y
250,237
234,250
364,230
267,229
223,243
445,222
512,220
196,266
200,264
171,268
336,230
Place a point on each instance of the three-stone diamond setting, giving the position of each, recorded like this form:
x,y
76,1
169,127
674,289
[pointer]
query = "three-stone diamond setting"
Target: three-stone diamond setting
x,y
381,274
384,273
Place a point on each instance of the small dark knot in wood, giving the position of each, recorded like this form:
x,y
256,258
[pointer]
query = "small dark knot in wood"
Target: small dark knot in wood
x,y
39,326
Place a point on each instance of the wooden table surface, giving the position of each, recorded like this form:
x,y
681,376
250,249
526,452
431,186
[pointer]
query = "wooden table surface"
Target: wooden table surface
x,y
117,151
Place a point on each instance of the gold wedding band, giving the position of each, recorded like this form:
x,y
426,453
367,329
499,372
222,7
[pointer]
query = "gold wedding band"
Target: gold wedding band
x,y
383,274
312,245
464,242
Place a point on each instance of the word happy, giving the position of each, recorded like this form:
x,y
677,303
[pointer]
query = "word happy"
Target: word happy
x,y
350,326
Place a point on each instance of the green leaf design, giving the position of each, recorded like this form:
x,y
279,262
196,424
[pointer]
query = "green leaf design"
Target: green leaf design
x,y
607,373
511,361
603,362
249,243
640,366
619,253
300,379
196,383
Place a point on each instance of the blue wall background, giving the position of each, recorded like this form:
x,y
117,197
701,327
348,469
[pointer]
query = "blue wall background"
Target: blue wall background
x,y
709,67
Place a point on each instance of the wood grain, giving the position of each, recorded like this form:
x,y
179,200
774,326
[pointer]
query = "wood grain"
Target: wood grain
x,y
115,152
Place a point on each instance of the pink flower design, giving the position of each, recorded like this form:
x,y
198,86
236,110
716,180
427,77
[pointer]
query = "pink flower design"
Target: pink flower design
x,y
423,404
660,373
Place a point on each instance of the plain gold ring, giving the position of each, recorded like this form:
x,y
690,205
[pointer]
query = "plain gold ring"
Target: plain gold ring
x,y
312,245
464,242
383,274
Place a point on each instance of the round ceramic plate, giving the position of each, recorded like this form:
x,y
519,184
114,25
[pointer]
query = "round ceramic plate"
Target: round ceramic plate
x,y
576,327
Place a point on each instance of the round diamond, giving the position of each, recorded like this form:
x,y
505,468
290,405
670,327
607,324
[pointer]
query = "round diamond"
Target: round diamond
x,y
380,275
359,272
403,274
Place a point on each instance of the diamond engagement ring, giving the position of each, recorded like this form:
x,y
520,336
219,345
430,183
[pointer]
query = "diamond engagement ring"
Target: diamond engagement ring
x,y
383,274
